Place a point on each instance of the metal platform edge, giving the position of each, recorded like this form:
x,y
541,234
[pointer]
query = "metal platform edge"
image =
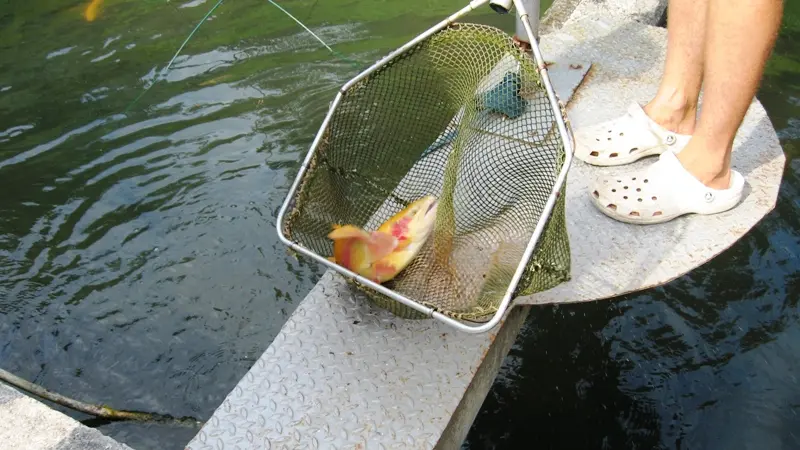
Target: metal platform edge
x,y
344,374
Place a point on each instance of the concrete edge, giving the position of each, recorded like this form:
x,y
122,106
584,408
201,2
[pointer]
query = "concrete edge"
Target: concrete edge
x,y
8,394
648,12
557,14
27,423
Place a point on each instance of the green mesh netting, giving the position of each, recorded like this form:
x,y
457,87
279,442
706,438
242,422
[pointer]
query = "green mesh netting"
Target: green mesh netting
x,y
462,115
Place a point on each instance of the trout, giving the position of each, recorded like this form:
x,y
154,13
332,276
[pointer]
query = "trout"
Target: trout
x,y
382,254
92,10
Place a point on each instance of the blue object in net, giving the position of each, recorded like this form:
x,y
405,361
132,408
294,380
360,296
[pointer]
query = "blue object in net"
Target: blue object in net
x,y
504,98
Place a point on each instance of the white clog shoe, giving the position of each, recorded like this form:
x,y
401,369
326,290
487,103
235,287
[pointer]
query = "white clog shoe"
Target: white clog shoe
x,y
625,139
661,192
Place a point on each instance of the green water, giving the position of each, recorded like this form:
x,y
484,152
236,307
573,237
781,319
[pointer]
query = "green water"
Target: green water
x,y
139,264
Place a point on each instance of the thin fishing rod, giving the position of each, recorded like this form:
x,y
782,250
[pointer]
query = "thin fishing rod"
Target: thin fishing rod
x,y
210,11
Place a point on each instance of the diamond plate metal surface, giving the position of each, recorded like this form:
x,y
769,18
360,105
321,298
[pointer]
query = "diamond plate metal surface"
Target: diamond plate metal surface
x,y
343,374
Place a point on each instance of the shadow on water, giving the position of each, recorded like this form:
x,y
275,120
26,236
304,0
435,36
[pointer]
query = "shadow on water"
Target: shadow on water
x,y
708,361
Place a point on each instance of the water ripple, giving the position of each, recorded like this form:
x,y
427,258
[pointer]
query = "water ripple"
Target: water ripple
x,y
145,243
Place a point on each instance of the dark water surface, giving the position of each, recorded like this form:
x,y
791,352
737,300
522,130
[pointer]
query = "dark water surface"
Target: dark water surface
x,y
139,264
709,361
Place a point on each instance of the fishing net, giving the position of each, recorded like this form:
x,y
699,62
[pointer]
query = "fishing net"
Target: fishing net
x,y
462,115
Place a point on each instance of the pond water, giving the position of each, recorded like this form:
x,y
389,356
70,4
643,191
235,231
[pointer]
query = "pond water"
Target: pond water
x,y
139,264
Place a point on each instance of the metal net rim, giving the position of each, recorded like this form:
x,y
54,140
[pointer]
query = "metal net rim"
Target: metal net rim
x,y
477,313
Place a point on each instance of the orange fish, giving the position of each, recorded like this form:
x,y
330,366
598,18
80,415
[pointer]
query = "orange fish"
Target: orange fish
x,y
382,254
92,10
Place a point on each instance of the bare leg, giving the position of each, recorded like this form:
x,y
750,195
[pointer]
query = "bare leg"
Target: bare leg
x,y
675,105
740,37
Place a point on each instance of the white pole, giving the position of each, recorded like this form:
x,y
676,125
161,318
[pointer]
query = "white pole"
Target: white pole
x,y
532,6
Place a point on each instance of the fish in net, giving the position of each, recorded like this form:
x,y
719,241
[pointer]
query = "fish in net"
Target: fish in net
x,y
463,115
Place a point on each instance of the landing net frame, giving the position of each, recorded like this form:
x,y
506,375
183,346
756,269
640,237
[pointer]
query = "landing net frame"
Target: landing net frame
x,y
563,130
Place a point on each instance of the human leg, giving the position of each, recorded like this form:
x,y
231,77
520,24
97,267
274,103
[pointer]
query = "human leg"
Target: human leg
x,y
741,35
699,179
674,106
668,119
